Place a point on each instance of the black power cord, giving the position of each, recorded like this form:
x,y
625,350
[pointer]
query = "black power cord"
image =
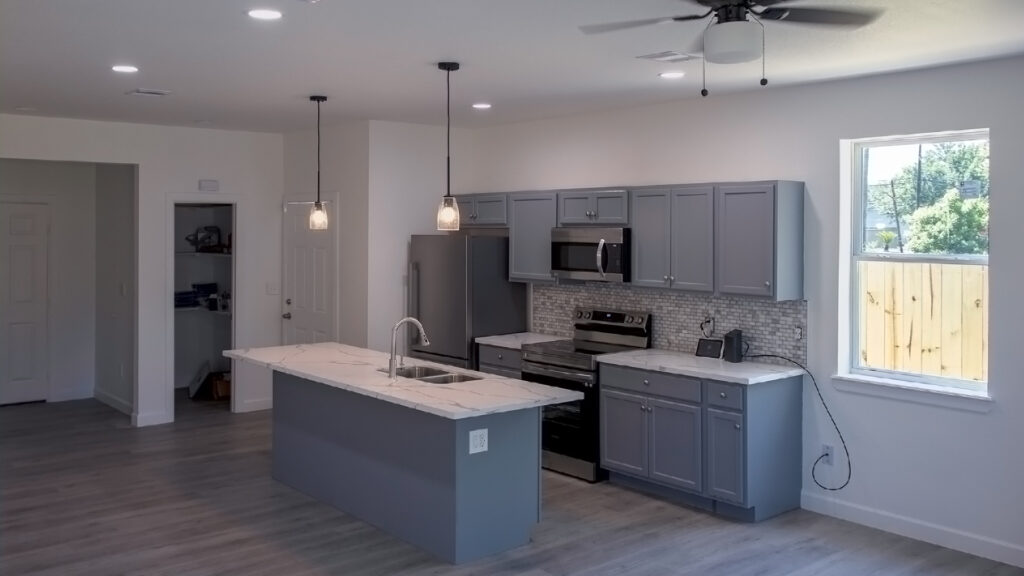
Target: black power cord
x,y
814,467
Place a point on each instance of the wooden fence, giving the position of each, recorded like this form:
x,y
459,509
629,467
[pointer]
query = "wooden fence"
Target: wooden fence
x,y
924,318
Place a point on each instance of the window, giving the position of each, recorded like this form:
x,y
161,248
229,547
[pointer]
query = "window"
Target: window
x,y
919,292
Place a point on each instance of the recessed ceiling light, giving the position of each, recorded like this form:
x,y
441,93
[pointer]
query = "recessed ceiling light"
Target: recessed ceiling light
x,y
265,14
482,106
672,75
124,68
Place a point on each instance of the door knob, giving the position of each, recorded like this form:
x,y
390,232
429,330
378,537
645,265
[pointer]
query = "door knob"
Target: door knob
x,y
288,301
287,315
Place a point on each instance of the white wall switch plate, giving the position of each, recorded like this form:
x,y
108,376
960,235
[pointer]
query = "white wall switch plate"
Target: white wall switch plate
x,y
209,185
478,441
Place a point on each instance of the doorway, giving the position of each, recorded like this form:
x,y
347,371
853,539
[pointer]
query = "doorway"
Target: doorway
x,y
204,283
309,276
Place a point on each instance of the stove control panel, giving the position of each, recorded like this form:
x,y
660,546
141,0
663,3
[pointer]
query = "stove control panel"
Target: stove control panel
x,y
612,317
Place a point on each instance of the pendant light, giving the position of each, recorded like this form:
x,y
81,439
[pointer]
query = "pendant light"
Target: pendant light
x,y
318,216
448,211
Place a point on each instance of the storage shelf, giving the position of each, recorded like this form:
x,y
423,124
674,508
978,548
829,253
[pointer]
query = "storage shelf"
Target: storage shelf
x,y
205,254
203,309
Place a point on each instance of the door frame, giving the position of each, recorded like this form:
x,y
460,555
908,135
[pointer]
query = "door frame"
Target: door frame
x,y
302,201
235,200
41,200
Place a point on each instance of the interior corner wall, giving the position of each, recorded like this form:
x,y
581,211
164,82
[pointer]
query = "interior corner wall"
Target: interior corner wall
x,y
406,182
115,285
170,162
937,474
69,188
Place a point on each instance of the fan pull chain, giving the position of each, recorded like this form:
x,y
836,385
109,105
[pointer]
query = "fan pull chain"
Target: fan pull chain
x,y
704,61
764,78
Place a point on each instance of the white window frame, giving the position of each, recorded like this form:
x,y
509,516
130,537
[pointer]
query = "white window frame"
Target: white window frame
x,y
856,254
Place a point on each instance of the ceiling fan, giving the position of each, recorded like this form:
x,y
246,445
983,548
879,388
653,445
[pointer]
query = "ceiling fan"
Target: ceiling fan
x,y
735,29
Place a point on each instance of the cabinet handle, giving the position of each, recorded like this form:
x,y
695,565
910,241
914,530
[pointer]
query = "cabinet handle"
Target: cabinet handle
x,y
646,383
737,426
666,278
500,357
672,278
643,408
767,283
723,394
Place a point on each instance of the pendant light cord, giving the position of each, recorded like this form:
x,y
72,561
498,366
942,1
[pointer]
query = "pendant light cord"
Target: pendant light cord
x,y
448,137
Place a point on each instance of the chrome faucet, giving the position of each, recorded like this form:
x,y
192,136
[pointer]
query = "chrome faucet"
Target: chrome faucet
x,y
392,365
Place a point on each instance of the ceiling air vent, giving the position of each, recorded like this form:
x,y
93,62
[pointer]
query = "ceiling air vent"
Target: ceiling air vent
x,y
668,56
147,92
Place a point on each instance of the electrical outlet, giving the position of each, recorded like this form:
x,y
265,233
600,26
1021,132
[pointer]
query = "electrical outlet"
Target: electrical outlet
x,y
826,451
478,441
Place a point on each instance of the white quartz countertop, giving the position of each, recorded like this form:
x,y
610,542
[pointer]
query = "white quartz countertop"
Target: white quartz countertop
x,y
356,370
710,368
516,341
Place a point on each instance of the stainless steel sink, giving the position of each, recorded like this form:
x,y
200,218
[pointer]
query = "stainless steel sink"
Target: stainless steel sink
x,y
448,378
417,372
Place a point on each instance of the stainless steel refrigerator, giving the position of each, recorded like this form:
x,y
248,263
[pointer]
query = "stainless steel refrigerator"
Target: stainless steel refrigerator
x,y
459,290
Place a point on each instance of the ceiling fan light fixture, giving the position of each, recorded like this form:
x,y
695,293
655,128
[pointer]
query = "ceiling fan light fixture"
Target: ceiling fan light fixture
x,y
733,42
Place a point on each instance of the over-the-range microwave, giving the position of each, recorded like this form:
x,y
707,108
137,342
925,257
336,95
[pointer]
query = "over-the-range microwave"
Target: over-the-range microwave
x,y
584,253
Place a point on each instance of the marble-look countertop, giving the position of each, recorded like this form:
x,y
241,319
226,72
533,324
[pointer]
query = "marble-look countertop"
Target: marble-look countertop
x,y
356,370
516,341
710,368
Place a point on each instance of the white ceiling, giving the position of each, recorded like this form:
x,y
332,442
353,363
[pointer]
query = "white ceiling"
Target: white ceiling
x,y
375,59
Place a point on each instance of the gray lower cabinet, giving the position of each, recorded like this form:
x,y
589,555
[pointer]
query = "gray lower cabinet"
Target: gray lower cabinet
x,y
624,432
725,456
759,239
477,210
499,361
673,238
531,218
607,207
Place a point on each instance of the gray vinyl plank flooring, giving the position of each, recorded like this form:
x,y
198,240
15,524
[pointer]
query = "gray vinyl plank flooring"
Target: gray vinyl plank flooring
x,y
82,493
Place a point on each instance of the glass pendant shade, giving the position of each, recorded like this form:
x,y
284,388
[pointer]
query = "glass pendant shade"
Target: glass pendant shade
x,y
448,214
318,217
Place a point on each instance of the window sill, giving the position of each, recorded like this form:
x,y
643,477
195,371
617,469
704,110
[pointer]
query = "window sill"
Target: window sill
x,y
914,392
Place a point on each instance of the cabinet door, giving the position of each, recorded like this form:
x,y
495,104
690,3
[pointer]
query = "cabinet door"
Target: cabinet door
x,y
693,239
675,443
490,210
745,239
575,208
651,235
531,218
610,207
623,432
725,474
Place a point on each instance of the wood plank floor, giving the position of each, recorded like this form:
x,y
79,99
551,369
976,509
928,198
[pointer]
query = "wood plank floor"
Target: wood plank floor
x,y
82,493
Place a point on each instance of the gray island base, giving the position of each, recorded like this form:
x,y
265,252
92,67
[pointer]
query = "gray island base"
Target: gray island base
x,y
410,472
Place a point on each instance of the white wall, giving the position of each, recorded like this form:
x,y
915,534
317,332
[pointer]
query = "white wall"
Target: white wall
x,y
70,190
115,285
407,179
170,162
949,476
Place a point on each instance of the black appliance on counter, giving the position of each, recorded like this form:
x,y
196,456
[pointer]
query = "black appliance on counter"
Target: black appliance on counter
x,y
459,290
570,433
585,253
733,346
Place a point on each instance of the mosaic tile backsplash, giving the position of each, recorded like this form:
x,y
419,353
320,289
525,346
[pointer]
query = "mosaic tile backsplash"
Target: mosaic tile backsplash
x,y
769,327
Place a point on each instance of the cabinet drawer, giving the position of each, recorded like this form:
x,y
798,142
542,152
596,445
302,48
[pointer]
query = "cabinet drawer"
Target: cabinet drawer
x,y
500,357
501,371
725,395
654,383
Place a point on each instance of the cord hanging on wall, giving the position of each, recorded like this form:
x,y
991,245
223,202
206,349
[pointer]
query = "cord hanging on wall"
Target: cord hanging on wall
x,y
318,216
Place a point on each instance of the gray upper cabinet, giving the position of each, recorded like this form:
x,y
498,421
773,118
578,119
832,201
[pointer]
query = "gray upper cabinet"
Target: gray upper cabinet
x,y
675,443
759,240
623,432
531,218
483,210
606,207
673,238
726,477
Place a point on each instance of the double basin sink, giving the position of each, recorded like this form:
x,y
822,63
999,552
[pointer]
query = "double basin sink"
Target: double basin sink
x,y
431,375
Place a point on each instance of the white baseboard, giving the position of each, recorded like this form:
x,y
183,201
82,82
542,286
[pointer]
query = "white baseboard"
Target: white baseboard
x,y
945,536
115,402
253,405
152,418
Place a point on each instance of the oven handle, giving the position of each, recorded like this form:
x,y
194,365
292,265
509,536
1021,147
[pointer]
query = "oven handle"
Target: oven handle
x,y
600,257
585,378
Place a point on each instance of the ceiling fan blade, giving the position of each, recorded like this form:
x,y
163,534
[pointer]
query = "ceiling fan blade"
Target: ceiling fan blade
x,y
615,26
828,16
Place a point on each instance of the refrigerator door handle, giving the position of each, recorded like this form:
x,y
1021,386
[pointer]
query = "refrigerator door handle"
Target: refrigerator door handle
x,y
600,257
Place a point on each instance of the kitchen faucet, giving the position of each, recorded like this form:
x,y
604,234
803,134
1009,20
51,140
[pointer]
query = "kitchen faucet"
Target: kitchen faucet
x,y
392,365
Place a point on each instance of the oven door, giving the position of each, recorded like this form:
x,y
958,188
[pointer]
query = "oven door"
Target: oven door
x,y
582,253
570,429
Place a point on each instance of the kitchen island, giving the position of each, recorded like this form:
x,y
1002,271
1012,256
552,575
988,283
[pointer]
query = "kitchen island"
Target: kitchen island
x,y
452,468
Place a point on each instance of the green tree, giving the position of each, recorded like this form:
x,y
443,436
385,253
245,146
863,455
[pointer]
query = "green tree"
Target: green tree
x,y
941,167
952,225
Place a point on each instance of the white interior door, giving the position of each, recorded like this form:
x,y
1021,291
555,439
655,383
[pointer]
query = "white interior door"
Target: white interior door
x,y
24,231
309,291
